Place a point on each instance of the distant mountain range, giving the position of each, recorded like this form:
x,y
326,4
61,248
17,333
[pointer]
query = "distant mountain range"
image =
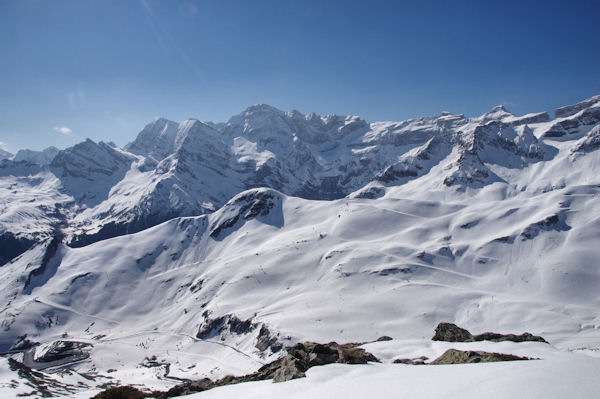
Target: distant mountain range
x,y
93,191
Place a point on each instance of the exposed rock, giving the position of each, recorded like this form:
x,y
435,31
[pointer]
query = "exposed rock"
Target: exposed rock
x,y
570,110
495,337
589,117
299,358
43,385
59,350
416,361
552,222
213,327
289,369
372,192
384,338
231,324
245,206
590,142
23,343
266,340
531,118
450,332
455,356
189,388
126,392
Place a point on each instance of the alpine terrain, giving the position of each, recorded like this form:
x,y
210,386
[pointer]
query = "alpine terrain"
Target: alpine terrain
x,y
205,250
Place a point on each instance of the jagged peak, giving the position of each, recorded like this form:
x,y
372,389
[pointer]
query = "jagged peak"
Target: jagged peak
x,y
499,108
497,112
261,108
570,110
161,119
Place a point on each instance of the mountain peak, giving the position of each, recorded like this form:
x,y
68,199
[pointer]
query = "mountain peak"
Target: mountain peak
x,y
498,109
261,108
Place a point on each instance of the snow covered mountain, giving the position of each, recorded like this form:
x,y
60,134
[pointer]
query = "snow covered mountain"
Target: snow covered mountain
x,y
43,157
202,249
5,154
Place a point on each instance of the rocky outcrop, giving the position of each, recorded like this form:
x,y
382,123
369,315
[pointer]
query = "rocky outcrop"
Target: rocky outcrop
x,y
590,142
495,337
455,356
126,392
248,205
416,361
59,350
231,324
298,360
450,332
574,124
552,222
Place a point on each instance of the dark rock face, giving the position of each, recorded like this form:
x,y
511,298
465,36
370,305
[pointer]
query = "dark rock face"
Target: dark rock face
x,y
229,323
267,340
63,349
570,110
42,384
450,332
289,369
553,222
244,207
455,356
189,388
12,246
51,249
535,118
417,361
23,344
495,337
120,393
589,117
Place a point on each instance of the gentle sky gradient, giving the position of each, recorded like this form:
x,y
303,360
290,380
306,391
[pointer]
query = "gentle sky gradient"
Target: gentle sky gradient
x,y
103,69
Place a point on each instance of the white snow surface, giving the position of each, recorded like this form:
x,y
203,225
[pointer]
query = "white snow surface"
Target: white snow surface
x,y
491,225
556,375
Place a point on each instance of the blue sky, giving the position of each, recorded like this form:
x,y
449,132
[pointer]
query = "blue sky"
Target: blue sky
x,y
103,69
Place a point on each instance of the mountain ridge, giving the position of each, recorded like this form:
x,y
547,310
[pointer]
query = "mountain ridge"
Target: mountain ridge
x,y
189,168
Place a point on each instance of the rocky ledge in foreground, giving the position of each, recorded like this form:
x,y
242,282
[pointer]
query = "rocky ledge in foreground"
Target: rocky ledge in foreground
x,y
450,332
299,358
455,356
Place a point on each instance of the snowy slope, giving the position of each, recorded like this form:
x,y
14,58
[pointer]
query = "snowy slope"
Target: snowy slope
x,y
491,224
